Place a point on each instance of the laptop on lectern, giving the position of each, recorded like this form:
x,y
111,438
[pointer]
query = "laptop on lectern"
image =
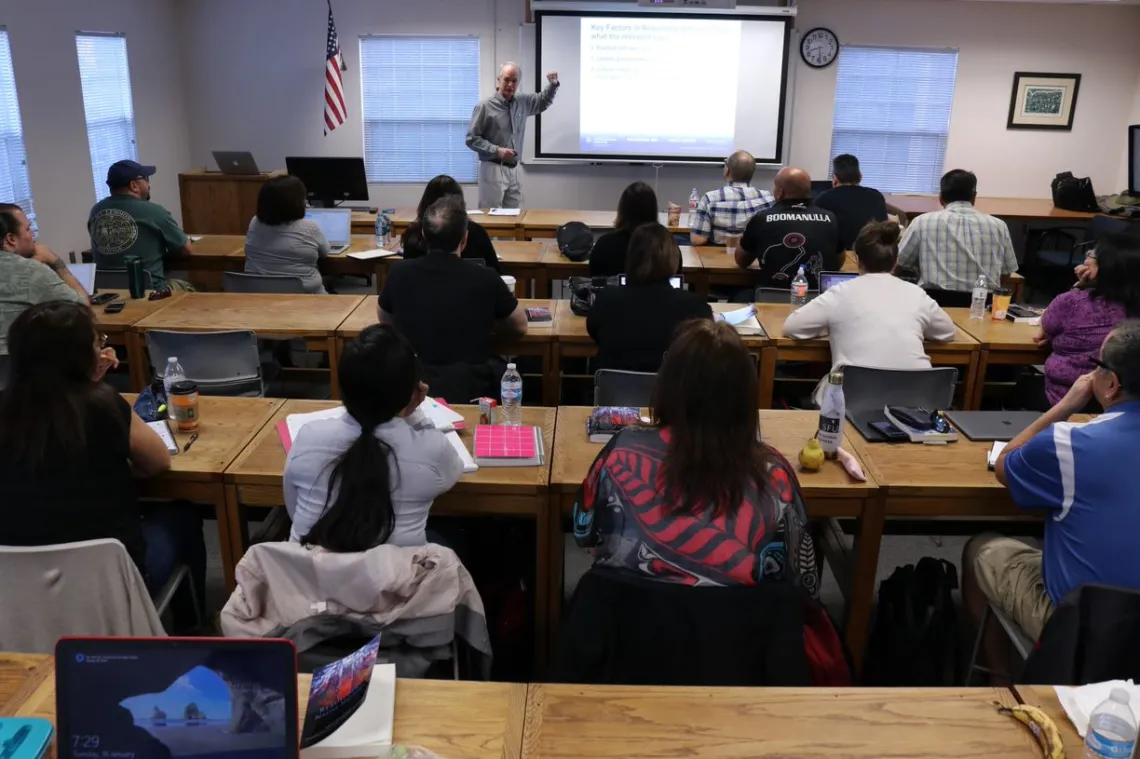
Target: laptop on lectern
x,y
239,162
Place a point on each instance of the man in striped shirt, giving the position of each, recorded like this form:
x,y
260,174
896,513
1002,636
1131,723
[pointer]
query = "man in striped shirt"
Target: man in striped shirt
x,y
952,247
727,211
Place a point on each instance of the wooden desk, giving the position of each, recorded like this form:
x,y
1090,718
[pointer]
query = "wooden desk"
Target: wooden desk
x,y
313,317
1045,697
256,478
545,222
457,720
720,269
217,203
554,266
962,351
117,327
228,426
830,492
212,255
364,223
571,721
1018,209
1002,342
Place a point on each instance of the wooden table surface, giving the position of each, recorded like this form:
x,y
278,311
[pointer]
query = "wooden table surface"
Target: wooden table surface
x,y
365,315
571,328
133,310
1006,208
219,246
997,335
570,721
1045,697
284,315
773,316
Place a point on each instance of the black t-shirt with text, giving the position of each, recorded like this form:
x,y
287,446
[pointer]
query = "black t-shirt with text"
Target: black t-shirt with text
x,y
791,234
854,206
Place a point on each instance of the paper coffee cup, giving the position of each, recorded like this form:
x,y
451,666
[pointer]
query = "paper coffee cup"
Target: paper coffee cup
x,y
674,214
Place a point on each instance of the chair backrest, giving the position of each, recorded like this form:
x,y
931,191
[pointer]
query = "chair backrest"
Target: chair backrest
x,y
222,363
1099,226
235,282
866,391
86,588
116,279
950,298
1093,636
779,295
613,387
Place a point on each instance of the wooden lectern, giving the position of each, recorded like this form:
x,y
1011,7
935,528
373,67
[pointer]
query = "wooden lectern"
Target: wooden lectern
x,y
214,203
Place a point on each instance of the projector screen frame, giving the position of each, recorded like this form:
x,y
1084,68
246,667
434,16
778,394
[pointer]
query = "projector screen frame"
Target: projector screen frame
x,y
542,10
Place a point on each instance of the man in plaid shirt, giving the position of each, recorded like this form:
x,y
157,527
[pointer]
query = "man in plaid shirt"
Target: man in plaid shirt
x,y
726,211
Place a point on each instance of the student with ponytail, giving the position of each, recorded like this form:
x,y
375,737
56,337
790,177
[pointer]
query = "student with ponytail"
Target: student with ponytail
x,y
370,477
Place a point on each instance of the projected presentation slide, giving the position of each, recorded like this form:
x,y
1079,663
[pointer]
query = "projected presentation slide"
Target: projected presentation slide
x,y
680,88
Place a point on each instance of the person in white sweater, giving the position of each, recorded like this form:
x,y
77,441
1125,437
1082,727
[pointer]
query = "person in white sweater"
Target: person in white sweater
x,y
875,320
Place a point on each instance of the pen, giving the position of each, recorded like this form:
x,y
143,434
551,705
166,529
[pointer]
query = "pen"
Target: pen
x,y
190,442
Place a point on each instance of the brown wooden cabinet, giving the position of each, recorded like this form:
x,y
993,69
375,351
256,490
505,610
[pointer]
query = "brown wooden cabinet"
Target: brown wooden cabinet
x,y
214,203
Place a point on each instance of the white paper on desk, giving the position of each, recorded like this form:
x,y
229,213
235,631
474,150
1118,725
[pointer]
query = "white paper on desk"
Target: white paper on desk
x,y
475,212
506,211
469,464
85,273
995,452
744,319
367,255
296,421
1079,703
194,238
441,417
162,429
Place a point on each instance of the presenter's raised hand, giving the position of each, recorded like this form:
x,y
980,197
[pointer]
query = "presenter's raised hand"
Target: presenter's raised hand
x,y
506,154
552,77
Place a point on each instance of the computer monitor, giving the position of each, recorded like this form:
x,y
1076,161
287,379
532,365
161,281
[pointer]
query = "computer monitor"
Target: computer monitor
x,y
829,279
1134,160
330,180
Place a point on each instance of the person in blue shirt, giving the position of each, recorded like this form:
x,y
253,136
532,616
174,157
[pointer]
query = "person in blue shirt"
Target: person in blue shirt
x,y
1083,474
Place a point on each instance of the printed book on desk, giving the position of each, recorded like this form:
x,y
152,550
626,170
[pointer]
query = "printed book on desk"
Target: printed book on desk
x,y
607,421
351,707
499,445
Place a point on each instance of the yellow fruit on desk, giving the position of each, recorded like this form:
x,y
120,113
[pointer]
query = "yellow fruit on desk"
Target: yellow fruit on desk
x,y
811,456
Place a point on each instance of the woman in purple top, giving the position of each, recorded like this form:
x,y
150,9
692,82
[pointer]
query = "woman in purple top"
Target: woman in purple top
x,y
1076,322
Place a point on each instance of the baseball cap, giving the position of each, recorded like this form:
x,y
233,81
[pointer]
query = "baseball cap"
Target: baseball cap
x,y
122,173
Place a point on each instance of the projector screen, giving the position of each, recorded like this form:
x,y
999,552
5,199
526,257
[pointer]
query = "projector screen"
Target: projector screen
x,y
654,87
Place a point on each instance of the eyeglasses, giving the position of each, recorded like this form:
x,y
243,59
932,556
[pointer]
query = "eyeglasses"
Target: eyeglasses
x,y
1101,365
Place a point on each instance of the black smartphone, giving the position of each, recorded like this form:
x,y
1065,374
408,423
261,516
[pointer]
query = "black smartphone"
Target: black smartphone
x,y
114,308
101,298
889,432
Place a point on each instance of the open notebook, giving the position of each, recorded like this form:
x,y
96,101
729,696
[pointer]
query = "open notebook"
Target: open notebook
x,y
439,414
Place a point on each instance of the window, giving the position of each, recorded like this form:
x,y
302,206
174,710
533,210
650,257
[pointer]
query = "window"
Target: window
x,y
418,94
892,111
15,186
106,103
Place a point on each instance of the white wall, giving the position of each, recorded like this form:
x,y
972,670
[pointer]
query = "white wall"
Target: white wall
x,y
42,36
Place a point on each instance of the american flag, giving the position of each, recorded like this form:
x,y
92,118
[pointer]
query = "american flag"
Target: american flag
x,y
335,110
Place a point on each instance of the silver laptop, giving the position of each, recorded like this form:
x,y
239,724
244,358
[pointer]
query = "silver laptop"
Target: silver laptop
x,y
987,426
236,162
336,223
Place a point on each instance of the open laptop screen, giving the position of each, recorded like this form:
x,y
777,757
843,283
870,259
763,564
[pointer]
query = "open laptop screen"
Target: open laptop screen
x,y
829,279
336,223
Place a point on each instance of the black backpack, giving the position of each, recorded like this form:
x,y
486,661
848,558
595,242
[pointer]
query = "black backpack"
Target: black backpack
x,y
914,641
575,241
1073,194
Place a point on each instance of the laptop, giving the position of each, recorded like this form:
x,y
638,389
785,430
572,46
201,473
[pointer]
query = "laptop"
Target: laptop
x,y
336,223
820,186
236,162
829,279
678,283
85,273
988,426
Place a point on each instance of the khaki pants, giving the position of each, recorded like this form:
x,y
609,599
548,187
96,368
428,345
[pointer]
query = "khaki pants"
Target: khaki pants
x,y
499,186
1009,574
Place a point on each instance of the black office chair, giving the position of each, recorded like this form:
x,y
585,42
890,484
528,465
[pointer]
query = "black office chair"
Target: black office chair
x,y
1051,254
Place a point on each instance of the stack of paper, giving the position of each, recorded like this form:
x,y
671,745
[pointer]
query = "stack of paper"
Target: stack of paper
x,y
368,255
505,211
441,416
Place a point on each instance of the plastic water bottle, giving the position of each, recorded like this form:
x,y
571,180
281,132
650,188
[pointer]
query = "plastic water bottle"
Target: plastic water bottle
x,y
694,199
978,299
174,373
1112,728
832,410
799,289
511,395
384,228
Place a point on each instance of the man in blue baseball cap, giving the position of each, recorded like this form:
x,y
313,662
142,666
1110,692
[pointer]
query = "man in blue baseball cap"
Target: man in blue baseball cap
x,y
127,223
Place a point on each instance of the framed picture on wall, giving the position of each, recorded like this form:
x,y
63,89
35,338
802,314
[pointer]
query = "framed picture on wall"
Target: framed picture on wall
x,y
1043,101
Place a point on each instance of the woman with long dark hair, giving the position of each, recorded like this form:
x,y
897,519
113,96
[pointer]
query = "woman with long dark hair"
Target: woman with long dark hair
x,y
70,448
696,497
479,247
369,477
637,206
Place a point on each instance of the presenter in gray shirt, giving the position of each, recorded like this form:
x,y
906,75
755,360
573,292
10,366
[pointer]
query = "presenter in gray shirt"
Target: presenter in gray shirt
x,y
498,126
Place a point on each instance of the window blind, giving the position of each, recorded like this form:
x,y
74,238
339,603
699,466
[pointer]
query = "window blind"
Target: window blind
x,y
106,80
418,94
892,111
15,185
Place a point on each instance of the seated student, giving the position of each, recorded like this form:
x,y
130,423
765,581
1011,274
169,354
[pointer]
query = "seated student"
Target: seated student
x,y
792,233
951,248
726,211
637,206
1085,474
281,241
449,308
29,272
127,223
370,476
1076,322
853,204
875,320
479,246
70,448
633,325
697,497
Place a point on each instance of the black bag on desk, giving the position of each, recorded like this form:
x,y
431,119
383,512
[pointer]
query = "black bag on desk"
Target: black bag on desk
x,y
575,241
583,290
1073,194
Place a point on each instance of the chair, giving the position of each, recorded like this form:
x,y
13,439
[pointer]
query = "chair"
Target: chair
x,y
89,588
116,279
235,282
1094,635
222,363
950,298
1051,254
866,391
613,387
779,295
1022,643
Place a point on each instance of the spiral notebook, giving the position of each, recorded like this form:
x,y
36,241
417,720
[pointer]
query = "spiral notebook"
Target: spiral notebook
x,y
499,445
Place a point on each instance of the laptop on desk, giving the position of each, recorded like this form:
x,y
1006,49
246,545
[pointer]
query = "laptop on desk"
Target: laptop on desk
x,y
336,223
238,162
989,426
829,279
